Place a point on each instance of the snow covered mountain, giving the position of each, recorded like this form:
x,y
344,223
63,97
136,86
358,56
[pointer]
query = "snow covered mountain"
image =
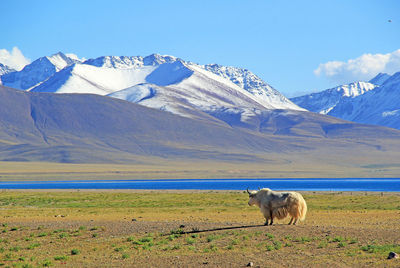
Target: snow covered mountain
x,y
163,82
4,69
36,72
323,102
374,102
379,107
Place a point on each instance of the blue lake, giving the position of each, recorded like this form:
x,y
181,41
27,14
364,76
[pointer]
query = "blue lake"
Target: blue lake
x,y
354,184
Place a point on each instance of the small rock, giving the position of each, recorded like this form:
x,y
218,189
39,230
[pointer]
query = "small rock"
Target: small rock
x,y
182,226
393,255
250,264
134,219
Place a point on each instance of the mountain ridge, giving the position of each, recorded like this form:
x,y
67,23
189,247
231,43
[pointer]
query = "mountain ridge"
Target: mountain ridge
x,y
241,77
372,104
181,87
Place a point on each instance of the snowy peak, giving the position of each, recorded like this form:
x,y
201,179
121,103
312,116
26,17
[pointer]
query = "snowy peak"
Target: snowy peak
x,y
379,107
191,91
355,89
124,62
60,61
379,79
253,84
323,102
156,59
374,102
37,71
120,62
180,69
4,69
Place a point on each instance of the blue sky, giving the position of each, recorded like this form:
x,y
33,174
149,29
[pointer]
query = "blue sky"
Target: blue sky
x,y
283,42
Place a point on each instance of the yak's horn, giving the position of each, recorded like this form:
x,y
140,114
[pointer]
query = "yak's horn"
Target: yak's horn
x,y
248,190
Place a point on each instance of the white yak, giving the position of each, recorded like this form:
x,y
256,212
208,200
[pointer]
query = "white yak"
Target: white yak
x,y
279,204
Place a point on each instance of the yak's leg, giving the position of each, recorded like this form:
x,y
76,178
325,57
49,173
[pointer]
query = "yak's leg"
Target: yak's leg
x,y
266,213
272,218
266,220
290,221
295,220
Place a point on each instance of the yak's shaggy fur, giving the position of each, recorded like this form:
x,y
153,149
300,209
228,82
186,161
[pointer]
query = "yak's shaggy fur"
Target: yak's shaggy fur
x,y
279,205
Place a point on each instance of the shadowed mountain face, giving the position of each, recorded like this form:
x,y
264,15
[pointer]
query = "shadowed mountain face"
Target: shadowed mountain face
x,y
90,128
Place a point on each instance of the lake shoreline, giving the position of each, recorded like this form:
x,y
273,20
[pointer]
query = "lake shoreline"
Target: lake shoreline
x,y
192,191
313,185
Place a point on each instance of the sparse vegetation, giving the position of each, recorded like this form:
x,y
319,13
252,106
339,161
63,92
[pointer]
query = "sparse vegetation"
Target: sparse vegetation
x,y
75,251
190,240
270,236
322,244
326,230
125,256
61,258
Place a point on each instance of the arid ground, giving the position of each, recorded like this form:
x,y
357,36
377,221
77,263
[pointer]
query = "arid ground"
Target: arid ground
x,y
164,229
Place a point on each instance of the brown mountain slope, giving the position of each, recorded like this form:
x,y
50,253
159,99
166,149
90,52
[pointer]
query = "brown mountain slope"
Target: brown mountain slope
x,y
83,128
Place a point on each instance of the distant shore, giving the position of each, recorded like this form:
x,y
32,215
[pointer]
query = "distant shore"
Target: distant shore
x,y
192,191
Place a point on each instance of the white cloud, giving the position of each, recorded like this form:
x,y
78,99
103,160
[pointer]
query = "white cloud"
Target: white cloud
x,y
363,68
14,59
75,57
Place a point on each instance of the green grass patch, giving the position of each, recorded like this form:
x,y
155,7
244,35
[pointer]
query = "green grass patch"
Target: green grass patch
x,y
277,245
63,235
46,263
322,244
190,240
211,238
119,249
382,249
61,258
270,247
338,239
125,256
33,246
303,239
75,251
146,239
270,236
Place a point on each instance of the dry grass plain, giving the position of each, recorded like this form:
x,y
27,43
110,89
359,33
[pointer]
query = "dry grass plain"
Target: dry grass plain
x,y
144,229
